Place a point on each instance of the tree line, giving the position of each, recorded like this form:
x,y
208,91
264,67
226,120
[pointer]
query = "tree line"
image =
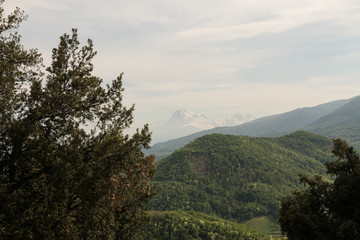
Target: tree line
x,y
326,209
67,169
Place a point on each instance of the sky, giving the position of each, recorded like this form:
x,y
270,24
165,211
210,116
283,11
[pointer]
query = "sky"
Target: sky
x,y
258,57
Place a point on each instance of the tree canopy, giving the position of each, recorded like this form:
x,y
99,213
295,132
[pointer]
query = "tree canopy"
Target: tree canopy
x,y
191,225
237,177
326,210
67,169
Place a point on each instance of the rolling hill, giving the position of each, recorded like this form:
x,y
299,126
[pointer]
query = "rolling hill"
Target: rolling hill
x,y
343,122
194,225
237,177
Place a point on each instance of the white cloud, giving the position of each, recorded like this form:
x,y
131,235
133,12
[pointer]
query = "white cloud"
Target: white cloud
x,y
224,70
248,30
33,4
348,56
282,19
249,66
326,79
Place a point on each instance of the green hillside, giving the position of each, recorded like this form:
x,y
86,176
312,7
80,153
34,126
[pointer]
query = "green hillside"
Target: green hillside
x,y
265,224
280,124
342,123
194,225
237,177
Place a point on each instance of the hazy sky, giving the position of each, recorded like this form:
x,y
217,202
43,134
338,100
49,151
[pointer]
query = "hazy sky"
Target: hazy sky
x,y
214,57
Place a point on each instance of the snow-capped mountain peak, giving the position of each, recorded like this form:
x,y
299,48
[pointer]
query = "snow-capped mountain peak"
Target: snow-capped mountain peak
x,y
185,118
184,122
238,119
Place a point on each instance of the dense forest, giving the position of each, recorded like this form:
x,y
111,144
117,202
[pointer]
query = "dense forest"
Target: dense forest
x,y
326,209
194,225
58,178
237,177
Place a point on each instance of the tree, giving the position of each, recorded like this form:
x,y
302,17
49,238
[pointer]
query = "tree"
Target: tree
x,y
68,170
326,210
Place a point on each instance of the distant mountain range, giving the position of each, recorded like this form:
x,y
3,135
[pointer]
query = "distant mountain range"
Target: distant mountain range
x,y
336,119
185,122
344,122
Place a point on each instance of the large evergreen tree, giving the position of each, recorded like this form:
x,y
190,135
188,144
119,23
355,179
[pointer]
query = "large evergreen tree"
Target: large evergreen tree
x,y
326,210
67,169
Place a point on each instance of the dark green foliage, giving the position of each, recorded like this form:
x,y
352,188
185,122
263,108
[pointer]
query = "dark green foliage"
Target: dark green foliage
x,y
67,170
326,210
237,177
308,144
194,225
303,216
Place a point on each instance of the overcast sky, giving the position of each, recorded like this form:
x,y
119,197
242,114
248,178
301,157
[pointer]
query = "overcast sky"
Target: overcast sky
x,y
214,57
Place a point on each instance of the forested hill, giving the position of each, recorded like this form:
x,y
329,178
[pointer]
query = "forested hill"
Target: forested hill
x,y
238,177
194,225
344,123
275,125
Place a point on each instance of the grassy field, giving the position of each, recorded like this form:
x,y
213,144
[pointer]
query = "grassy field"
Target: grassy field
x,y
265,224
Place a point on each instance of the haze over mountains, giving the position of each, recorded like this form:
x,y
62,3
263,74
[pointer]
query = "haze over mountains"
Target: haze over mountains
x,y
336,119
344,122
185,122
243,178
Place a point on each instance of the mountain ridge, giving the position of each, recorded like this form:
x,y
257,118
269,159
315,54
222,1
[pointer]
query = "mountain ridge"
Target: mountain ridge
x,y
270,126
184,122
343,122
